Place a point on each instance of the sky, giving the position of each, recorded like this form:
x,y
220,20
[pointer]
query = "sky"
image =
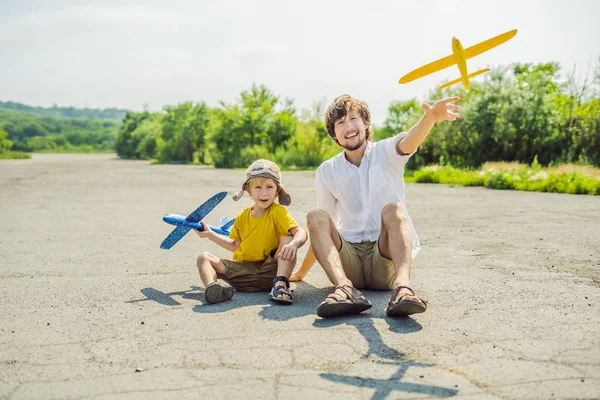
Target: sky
x,y
147,54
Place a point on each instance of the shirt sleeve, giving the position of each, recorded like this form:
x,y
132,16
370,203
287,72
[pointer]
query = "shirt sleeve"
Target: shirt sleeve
x,y
397,161
325,199
284,221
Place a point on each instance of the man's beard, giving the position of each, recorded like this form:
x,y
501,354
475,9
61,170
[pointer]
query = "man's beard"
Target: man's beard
x,y
354,146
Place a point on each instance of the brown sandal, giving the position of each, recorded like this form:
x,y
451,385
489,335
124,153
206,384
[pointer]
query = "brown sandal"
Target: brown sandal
x,y
336,304
217,293
403,308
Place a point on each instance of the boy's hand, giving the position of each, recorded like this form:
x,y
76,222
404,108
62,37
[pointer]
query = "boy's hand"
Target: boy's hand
x,y
441,110
288,252
206,233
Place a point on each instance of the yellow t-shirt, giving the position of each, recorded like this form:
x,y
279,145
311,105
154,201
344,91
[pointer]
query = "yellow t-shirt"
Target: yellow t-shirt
x,y
260,235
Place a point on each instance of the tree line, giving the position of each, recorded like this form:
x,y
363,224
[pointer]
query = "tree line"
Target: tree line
x,y
28,132
515,113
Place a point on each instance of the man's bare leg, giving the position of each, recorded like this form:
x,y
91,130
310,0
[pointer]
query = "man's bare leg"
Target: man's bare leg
x,y
395,243
326,244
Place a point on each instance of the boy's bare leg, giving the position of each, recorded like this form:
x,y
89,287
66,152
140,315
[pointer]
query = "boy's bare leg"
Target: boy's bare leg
x,y
208,267
395,243
326,243
284,267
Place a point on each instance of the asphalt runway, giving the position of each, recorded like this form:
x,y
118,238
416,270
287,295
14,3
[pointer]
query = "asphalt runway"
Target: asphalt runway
x,y
91,307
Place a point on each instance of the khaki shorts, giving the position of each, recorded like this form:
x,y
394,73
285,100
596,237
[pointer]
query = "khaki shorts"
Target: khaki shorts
x,y
250,276
366,267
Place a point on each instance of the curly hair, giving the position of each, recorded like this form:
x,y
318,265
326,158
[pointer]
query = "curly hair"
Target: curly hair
x,y
340,107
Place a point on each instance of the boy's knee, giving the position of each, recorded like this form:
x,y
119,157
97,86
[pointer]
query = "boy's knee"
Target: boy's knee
x,y
205,255
393,212
317,219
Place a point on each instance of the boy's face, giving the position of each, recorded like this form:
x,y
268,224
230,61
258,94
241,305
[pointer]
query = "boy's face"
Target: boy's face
x,y
350,131
263,192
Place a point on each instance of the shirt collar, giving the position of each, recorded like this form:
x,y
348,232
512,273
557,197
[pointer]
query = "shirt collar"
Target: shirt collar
x,y
365,157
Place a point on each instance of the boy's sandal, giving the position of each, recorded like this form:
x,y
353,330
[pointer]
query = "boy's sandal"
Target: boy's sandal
x,y
217,293
281,290
337,304
402,308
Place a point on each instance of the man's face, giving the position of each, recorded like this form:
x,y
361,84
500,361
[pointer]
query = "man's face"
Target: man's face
x,y
350,131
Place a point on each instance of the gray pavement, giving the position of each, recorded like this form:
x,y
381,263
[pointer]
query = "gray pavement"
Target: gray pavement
x,y
91,307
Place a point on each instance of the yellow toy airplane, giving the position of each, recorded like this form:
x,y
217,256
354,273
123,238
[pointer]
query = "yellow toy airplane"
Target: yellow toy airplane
x,y
459,57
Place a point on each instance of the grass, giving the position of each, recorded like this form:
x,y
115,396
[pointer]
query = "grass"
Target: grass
x,y
565,178
14,155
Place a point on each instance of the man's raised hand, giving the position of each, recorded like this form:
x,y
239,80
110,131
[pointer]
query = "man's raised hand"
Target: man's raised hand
x,y
442,110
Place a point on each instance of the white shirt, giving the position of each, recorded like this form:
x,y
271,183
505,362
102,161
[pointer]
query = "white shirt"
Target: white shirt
x,y
354,196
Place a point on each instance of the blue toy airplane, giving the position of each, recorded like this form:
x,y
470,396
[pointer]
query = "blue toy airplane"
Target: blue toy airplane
x,y
193,221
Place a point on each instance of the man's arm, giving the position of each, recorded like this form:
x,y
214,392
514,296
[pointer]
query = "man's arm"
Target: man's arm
x,y
441,110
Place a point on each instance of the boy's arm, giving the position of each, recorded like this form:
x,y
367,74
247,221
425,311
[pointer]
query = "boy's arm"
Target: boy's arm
x,y
225,242
299,236
307,264
289,251
441,110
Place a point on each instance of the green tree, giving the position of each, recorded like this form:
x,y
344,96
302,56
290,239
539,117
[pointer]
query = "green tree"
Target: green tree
x,y
257,126
5,144
126,143
184,132
401,116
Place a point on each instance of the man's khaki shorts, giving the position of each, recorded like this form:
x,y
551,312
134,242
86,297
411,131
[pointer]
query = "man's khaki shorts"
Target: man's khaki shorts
x,y
250,276
366,267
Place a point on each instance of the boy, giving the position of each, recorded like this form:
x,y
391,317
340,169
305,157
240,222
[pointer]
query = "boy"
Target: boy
x,y
264,240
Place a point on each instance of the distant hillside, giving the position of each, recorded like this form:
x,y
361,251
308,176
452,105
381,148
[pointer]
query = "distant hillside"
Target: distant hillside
x,y
65,112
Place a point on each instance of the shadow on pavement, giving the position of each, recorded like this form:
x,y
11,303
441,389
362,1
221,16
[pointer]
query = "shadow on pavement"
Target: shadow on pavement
x,y
306,300
365,325
384,387
195,293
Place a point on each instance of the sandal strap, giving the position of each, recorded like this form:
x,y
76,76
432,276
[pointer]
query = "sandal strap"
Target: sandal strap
x,y
398,288
350,291
277,290
397,291
281,278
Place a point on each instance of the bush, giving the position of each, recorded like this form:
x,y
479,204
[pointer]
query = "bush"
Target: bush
x,y
533,178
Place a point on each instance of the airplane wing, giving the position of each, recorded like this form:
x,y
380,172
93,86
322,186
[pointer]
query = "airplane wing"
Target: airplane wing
x,y
207,207
450,60
484,46
429,69
174,237
454,82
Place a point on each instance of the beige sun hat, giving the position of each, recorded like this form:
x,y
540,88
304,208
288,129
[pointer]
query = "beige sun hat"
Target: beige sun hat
x,y
265,169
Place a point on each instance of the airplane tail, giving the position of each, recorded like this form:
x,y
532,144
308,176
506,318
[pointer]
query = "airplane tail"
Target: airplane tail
x,y
454,82
224,224
224,227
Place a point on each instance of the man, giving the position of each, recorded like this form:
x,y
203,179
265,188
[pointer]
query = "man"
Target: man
x,y
361,233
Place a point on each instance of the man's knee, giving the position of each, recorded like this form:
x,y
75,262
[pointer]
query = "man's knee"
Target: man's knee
x,y
393,213
317,219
